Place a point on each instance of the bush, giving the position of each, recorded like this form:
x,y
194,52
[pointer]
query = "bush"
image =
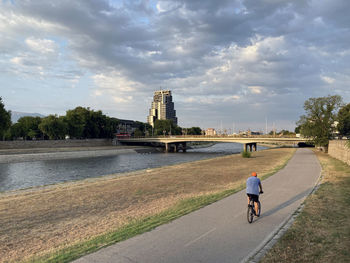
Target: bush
x,y
246,154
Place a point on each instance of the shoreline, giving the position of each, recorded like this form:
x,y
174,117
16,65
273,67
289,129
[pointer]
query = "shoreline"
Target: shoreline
x,y
107,176
103,177
62,154
41,154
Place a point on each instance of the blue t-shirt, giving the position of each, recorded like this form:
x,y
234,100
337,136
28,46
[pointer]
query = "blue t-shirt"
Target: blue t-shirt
x,y
253,185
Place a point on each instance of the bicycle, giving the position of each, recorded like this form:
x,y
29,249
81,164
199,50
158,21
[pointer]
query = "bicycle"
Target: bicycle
x,y
251,210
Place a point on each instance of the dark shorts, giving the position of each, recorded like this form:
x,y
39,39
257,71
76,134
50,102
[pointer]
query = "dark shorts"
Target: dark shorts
x,y
255,198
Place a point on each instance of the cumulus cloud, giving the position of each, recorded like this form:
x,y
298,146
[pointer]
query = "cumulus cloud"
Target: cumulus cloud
x,y
255,89
327,79
44,46
115,83
217,55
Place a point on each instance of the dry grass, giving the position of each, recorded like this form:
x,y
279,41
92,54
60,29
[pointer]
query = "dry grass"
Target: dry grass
x,y
322,231
43,220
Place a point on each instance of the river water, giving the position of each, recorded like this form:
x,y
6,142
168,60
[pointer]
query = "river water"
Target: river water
x,y
21,175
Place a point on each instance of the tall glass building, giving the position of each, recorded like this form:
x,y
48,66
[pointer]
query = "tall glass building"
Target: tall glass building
x,y
162,107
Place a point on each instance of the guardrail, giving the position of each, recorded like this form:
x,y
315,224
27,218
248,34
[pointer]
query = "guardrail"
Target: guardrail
x,y
218,136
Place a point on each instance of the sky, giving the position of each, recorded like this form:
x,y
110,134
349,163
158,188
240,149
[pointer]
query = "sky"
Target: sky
x,y
235,65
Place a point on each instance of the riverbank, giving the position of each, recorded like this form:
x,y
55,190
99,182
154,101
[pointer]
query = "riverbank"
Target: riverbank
x,y
60,222
321,233
41,154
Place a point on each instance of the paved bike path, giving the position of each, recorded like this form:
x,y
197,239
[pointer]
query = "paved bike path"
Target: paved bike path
x,y
220,232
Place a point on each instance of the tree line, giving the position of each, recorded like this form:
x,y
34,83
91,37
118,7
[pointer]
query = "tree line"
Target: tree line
x,y
325,118
167,127
79,123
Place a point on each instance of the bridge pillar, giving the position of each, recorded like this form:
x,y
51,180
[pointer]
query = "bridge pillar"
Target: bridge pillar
x,y
247,147
175,147
250,147
184,147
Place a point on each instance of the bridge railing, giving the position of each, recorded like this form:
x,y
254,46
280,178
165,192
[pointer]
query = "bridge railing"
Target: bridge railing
x,y
215,136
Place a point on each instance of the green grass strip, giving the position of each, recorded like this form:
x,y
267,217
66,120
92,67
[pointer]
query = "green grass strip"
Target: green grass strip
x,y
143,225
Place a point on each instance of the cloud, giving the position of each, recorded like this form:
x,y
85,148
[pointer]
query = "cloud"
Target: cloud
x,y
232,98
327,79
114,82
126,99
216,55
17,60
255,89
44,46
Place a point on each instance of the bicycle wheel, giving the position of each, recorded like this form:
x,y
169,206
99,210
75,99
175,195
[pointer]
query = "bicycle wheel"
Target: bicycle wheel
x,y
250,214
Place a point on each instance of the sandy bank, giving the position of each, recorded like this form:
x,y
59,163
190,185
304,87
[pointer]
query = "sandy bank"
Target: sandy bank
x,y
28,155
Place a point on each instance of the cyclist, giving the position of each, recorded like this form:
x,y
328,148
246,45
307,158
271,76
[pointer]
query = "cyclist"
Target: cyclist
x,y
253,185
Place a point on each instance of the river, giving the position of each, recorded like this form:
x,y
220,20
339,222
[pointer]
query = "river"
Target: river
x,y
21,175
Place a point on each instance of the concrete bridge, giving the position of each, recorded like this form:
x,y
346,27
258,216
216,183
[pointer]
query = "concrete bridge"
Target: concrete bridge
x,y
177,143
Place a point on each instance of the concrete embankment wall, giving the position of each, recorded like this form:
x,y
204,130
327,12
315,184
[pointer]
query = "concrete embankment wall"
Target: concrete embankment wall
x,y
339,150
54,143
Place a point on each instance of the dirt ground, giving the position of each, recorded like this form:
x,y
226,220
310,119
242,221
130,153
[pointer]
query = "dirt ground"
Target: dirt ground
x,y
40,220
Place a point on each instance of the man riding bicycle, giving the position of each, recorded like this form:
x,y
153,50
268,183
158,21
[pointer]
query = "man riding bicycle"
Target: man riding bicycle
x,y
253,185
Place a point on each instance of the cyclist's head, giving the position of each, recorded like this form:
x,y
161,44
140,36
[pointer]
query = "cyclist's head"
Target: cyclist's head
x,y
254,174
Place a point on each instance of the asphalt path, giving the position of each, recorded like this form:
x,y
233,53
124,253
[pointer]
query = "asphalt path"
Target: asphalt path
x,y
220,232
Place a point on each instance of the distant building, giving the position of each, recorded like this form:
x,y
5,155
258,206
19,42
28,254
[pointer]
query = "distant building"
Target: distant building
x,y
252,133
210,132
162,107
126,127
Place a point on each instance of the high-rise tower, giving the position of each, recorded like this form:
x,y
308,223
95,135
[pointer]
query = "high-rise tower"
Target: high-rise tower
x,y
162,107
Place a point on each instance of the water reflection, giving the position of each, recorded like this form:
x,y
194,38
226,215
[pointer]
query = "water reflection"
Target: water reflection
x,y
29,174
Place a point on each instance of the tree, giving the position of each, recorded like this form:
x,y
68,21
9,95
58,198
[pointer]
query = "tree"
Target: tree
x,y
194,131
76,120
95,121
138,133
29,127
16,131
286,132
86,123
297,129
54,127
163,127
144,128
110,127
318,123
344,120
5,119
